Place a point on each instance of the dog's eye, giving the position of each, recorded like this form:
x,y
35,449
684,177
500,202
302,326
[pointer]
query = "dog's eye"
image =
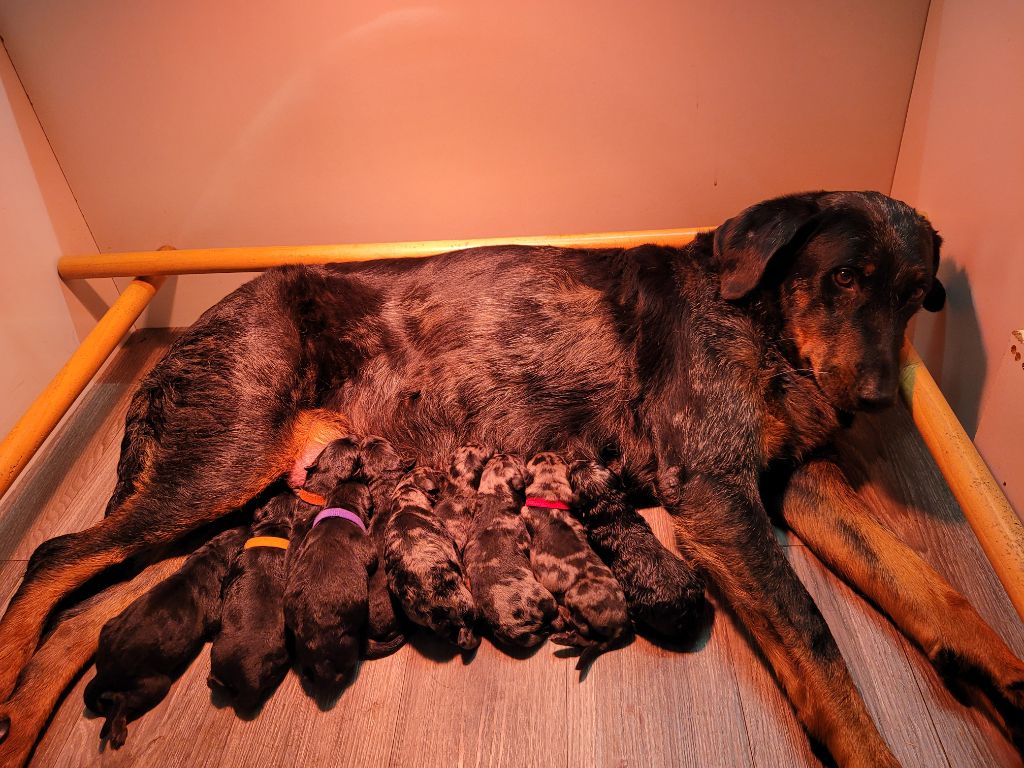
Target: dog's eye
x,y
844,277
916,295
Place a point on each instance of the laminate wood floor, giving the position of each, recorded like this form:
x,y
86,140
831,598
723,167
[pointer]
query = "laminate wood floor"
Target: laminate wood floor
x,y
641,706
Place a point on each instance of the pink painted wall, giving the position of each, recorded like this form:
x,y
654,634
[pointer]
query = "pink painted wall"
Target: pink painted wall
x,y
41,320
199,124
962,161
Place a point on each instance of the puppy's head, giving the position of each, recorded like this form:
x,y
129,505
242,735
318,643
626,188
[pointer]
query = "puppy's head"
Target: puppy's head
x,y
467,465
844,271
503,475
418,487
547,476
379,458
590,481
336,464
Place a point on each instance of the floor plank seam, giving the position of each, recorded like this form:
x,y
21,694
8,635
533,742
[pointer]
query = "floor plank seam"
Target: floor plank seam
x,y
743,710
907,648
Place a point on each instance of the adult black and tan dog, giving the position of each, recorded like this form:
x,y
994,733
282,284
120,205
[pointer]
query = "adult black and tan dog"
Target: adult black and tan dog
x,y
696,369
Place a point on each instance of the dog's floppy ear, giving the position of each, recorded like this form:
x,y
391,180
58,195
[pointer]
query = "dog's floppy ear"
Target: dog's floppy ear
x,y
746,243
935,299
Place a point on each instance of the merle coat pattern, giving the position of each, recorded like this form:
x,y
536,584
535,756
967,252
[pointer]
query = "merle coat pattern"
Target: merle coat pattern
x,y
148,646
326,599
693,370
519,610
457,499
664,593
591,602
382,468
249,656
424,568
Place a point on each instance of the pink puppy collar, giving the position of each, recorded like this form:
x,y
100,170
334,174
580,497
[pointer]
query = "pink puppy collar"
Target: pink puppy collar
x,y
344,514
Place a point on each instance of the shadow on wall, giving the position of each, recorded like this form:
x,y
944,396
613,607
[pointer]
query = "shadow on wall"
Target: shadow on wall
x,y
951,345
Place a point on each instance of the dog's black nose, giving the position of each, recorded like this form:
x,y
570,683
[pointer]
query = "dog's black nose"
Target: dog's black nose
x,y
877,389
875,399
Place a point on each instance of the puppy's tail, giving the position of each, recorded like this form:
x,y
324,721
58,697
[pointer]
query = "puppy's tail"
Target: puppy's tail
x,y
378,649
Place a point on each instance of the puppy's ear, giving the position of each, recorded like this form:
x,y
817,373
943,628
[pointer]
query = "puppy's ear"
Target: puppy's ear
x,y
935,299
746,243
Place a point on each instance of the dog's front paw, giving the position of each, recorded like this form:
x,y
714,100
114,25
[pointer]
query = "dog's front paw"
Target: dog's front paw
x,y
1008,699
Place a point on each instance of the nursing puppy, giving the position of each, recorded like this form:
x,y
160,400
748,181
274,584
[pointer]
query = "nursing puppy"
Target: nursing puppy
x,y
382,468
517,607
148,646
326,599
591,601
458,495
664,593
249,657
423,566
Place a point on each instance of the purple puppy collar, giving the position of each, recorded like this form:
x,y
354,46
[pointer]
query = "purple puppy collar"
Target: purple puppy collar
x,y
344,514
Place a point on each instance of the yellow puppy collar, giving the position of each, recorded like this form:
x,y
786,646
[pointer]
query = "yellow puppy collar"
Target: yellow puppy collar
x,y
266,541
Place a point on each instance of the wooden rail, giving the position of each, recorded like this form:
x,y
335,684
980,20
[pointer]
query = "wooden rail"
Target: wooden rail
x,y
205,260
985,506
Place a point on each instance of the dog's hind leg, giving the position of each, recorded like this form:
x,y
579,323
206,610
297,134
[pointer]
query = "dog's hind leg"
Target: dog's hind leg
x,y
217,419
839,527
61,657
722,524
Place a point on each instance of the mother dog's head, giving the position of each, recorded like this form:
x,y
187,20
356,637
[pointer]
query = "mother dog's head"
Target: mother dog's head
x,y
843,272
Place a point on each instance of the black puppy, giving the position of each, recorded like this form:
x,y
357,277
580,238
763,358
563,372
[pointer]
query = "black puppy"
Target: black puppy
x,y
382,468
326,599
517,607
665,595
249,657
423,567
148,646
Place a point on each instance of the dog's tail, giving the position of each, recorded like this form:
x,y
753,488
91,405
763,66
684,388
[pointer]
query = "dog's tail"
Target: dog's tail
x,y
141,437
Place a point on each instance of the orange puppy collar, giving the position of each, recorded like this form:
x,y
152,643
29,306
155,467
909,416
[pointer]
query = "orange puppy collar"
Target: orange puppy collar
x,y
266,541
310,498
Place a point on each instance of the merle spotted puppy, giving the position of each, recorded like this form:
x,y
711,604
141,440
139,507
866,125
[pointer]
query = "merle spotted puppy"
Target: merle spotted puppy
x,y
249,657
591,601
517,607
457,500
147,647
382,468
326,599
664,593
423,566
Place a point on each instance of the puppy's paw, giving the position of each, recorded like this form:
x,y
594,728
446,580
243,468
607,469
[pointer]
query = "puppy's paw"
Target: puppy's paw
x,y
115,730
570,638
467,640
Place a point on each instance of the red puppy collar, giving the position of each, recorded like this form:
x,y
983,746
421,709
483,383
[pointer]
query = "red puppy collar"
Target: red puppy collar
x,y
533,501
310,498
